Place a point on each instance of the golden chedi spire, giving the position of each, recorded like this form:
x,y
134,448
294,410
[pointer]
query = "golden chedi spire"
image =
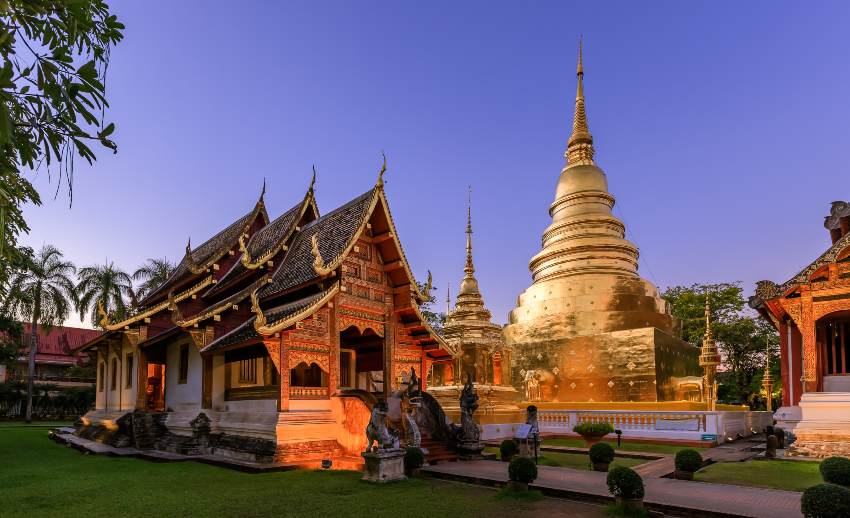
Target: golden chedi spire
x,y
580,145
587,306
709,359
469,324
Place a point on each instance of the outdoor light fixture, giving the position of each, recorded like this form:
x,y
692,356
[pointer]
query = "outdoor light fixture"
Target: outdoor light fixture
x,y
327,463
619,436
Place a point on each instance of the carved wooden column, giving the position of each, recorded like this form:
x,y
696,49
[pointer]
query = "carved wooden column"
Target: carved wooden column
x,y
810,352
141,379
333,353
282,347
389,351
783,363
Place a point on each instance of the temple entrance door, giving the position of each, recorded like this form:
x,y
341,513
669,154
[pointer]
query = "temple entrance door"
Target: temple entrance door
x,y
833,340
155,388
361,360
153,394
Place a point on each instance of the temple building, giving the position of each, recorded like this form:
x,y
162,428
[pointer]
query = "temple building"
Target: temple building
x,y
54,356
811,312
480,350
271,341
589,328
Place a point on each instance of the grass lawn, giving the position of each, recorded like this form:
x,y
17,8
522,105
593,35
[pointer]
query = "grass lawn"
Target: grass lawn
x,y
776,474
572,460
41,478
625,446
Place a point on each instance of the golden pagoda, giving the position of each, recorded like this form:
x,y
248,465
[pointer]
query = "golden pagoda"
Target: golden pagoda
x,y
482,353
589,328
709,359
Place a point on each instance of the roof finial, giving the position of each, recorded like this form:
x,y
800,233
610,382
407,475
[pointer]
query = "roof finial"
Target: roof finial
x,y
312,180
263,192
448,298
708,335
580,145
469,268
383,170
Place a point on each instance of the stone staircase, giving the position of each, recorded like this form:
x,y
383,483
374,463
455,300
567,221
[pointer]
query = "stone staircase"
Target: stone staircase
x,y
438,452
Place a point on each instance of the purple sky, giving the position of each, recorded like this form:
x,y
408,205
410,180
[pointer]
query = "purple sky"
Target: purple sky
x,y
722,126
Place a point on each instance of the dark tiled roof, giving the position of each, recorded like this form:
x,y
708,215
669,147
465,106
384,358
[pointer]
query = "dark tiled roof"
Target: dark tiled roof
x,y
223,240
335,231
247,332
269,236
261,243
766,290
243,333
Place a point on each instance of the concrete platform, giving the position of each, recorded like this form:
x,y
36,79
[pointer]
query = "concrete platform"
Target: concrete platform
x,y
675,497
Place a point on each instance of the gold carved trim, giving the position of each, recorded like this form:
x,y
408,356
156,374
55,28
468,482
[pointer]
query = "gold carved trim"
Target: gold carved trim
x,y
260,324
157,308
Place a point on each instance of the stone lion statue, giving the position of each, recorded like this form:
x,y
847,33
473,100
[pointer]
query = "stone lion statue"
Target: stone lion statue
x,y
376,430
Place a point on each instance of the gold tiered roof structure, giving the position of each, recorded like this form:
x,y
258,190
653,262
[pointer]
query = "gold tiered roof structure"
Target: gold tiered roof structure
x,y
481,353
589,328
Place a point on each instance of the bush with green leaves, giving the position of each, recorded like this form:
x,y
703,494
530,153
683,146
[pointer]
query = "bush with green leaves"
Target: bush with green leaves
x,y
508,448
688,460
522,469
601,453
413,458
836,470
625,483
593,429
826,501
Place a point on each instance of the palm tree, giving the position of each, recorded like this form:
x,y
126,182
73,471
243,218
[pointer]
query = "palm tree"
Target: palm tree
x,y
42,293
151,275
103,284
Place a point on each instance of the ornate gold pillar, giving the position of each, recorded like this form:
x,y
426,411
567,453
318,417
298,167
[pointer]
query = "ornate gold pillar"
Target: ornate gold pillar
x,y
810,353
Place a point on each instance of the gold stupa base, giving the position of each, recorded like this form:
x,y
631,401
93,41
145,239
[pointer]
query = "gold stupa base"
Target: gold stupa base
x,y
643,406
497,404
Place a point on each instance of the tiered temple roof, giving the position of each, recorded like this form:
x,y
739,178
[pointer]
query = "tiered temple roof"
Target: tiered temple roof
x,y
257,277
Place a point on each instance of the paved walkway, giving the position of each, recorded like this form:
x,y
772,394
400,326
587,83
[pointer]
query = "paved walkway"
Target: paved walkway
x,y
677,497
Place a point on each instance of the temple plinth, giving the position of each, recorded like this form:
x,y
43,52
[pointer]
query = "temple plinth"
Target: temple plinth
x,y
589,328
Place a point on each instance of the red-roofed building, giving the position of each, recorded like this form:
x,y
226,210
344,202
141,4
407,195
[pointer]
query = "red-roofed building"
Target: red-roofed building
x,y
55,353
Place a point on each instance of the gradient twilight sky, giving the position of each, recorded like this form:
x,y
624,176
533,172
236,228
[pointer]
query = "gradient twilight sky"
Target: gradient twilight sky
x,y
722,126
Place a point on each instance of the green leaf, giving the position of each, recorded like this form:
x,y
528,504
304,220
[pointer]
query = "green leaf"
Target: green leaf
x,y
107,130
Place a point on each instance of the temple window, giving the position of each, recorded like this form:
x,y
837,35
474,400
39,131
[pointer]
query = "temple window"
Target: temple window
x,y
113,383
304,375
835,339
101,377
184,364
346,368
352,270
129,363
248,371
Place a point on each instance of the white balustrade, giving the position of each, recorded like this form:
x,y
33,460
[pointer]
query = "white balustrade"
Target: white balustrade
x,y
661,424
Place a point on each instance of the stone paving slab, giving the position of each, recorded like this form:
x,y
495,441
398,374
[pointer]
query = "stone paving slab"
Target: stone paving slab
x,y
676,497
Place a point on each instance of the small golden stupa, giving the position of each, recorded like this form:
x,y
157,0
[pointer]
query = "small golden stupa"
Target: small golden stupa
x,y
589,328
483,355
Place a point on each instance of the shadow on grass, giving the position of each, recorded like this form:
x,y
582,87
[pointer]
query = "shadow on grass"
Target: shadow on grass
x,y
506,493
623,511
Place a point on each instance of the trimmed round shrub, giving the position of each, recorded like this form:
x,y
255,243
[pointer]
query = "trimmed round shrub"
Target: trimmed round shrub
x,y
594,429
825,501
836,470
413,458
688,460
625,483
508,448
522,469
601,453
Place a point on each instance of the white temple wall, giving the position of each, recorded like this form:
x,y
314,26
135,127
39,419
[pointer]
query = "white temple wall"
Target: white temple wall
x,y
183,395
